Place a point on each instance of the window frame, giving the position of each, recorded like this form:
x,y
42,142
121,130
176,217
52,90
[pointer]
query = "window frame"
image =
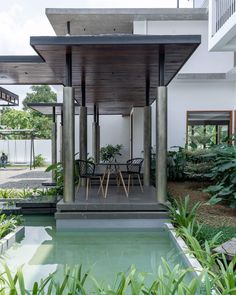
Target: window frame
x,y
209,122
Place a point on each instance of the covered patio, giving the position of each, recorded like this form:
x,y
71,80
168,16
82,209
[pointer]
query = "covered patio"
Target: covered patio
x,y
106,74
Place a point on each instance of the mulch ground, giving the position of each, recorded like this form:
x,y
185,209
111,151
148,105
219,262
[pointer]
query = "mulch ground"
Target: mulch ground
x,y
214,215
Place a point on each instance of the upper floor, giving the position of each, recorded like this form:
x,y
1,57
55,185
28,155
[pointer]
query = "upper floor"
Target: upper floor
x,y
158,21
222,25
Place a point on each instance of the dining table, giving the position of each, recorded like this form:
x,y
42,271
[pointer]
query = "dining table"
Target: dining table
x,y
113,167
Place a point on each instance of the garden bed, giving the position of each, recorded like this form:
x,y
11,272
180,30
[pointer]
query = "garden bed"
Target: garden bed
x,y
218,215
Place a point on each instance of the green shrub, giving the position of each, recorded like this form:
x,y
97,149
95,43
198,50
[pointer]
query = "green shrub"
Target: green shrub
x,y
39,161
223,174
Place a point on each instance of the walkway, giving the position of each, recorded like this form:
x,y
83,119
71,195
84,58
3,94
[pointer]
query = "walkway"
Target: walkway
x,y
19,178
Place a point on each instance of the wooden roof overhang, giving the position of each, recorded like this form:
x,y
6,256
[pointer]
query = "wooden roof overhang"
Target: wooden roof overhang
x,y
114,68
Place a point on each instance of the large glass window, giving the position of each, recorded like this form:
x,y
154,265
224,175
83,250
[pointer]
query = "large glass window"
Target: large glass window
x,y
206,128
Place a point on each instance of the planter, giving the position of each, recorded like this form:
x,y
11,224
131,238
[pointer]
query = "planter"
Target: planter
x,y
11,238
189,258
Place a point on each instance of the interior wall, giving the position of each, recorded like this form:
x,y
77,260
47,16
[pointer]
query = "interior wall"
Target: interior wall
x,y
113,130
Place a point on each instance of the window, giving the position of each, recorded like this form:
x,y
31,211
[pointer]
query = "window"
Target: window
x,y
206,128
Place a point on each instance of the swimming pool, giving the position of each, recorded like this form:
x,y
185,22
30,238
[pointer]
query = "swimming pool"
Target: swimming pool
x,y
103,252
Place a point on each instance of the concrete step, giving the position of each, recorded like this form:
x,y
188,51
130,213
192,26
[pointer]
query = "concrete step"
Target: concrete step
x,y
112,215
106,207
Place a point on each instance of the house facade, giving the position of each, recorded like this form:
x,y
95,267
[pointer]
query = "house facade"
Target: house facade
x,y
202,94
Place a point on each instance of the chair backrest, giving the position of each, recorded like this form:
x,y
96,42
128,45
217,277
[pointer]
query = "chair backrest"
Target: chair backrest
x,y
85,168
134,165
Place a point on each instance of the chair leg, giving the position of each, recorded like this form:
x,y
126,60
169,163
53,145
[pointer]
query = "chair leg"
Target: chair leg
x,y
140,183
129,182
78,186
87,188
108,177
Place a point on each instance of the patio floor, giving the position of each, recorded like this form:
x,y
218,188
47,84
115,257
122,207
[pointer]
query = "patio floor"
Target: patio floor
x,y
116,205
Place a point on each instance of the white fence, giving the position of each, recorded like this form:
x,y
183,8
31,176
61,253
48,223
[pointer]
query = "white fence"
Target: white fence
x,y
18,151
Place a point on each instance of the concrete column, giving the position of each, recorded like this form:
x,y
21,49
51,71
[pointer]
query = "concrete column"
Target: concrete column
x,y
147,145
54,148
161,145
68,144
96,141
83,133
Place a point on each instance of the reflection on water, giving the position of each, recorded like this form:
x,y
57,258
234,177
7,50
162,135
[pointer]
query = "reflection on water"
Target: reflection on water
x,y
104,253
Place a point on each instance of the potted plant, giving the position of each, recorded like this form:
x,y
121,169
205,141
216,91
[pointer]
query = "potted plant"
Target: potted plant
x,y
110,152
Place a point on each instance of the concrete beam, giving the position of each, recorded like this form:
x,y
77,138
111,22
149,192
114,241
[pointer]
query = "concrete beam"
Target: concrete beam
x,y
147,145
68,144
161,145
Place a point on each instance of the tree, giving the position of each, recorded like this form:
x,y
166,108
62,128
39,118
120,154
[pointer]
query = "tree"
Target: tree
x,y
41,93
28,118
15,119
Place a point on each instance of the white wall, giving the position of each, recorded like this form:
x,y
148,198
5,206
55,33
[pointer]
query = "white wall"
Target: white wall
x,y
113,130
18,151
201,61
189,96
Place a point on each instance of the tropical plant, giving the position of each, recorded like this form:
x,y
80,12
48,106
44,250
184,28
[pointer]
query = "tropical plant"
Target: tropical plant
x,y
39,160
8,224
58,170
176,163
24,193
7,193
181,213
110,152
223,174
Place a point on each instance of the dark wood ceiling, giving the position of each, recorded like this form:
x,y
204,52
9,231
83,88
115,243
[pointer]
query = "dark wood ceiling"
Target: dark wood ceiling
x,y
115,67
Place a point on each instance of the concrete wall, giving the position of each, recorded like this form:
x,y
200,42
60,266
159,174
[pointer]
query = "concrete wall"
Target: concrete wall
x,y
138,125
18,151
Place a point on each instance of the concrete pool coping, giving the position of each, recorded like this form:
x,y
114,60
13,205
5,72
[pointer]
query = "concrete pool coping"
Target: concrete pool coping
x,y
189,258
14,236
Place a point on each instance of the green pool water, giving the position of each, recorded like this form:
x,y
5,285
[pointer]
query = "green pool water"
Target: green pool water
x,y
103,252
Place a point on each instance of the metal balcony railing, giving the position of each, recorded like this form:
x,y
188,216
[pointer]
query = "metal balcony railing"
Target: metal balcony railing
x,y
222,10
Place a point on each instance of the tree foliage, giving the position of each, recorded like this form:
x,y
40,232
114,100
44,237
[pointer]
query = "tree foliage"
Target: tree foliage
x,y
28,118
40,93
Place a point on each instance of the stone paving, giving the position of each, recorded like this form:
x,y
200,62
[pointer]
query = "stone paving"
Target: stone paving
x,y
19,178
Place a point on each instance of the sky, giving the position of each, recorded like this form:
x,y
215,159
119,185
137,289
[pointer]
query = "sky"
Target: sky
x,y
20,19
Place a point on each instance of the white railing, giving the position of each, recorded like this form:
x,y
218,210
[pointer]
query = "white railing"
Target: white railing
x,y
200,3
222,10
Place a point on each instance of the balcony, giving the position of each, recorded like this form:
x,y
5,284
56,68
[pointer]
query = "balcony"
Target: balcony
x,y
222,25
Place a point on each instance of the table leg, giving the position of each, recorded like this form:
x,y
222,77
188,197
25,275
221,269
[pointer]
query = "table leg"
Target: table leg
x,y
123,183
108,176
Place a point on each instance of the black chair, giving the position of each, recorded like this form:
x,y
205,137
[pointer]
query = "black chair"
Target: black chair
x,y
86,170
134,168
